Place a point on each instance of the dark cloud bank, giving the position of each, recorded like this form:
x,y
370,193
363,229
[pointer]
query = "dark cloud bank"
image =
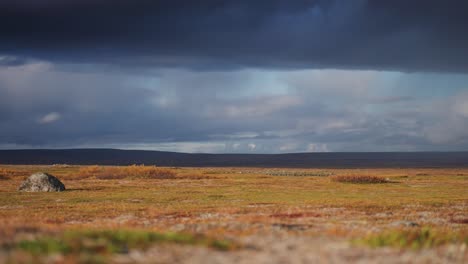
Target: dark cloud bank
x,y
397,35
233,76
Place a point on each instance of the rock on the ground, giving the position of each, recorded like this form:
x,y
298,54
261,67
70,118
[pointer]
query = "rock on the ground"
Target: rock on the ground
x,y
41,182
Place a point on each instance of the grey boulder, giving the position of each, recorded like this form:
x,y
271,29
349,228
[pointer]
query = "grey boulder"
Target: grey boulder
x,y
41,182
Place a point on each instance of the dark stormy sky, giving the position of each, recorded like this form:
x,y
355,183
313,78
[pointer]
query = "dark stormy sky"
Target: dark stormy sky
x,y
234,76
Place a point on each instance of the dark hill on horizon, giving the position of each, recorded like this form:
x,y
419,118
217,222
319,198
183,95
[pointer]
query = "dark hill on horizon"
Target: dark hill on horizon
x,y
295,160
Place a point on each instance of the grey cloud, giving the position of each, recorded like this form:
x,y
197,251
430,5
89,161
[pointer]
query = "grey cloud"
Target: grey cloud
x,y
449,121
391,99
41,106
8,60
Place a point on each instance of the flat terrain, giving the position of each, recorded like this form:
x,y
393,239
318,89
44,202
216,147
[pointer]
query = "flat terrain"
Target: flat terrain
x,y
292,160
236,215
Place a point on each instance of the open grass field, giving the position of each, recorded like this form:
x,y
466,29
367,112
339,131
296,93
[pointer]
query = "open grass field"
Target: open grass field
x,y
235,215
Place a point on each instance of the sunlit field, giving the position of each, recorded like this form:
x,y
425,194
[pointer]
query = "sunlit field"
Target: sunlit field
x,y
235,215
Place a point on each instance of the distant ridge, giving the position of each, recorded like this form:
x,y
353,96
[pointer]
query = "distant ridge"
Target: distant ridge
x,y
296,160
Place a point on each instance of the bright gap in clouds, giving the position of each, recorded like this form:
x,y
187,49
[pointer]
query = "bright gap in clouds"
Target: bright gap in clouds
x,y
246,111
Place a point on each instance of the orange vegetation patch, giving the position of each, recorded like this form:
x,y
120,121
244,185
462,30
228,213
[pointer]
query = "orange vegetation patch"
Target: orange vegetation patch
x,y
295,215
460,221
359,179
134,171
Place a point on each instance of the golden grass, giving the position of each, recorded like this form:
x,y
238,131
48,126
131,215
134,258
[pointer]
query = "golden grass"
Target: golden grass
x,y
233,202
6,173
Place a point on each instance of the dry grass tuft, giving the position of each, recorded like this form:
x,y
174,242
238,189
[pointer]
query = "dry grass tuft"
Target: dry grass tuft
x,y
134,171
90,170
359,179
6,173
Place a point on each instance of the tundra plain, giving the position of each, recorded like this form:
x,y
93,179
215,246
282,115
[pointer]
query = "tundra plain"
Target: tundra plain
x,y
146,214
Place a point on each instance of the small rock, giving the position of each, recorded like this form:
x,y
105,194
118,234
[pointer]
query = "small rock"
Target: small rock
x,y
41,182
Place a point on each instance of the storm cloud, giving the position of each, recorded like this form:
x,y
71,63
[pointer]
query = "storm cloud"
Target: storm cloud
x,y
385,35
234,76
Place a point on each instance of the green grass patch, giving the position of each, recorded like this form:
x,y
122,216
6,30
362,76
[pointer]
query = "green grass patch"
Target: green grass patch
x,y
413,238
43,246
108,242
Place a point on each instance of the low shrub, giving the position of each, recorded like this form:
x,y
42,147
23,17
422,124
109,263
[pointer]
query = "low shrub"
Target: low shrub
x,y
299,173
134,171
459,220
358,179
